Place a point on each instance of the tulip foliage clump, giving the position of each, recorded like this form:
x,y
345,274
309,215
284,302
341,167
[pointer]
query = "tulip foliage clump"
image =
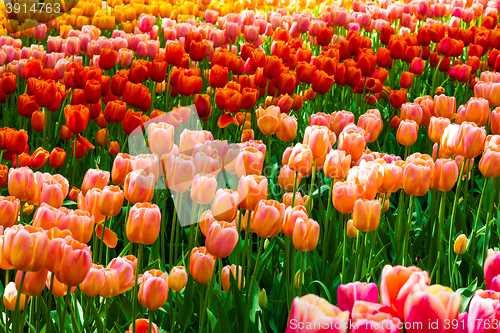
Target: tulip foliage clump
x,y
250,166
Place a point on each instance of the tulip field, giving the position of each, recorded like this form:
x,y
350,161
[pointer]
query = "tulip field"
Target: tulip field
x,y
250,166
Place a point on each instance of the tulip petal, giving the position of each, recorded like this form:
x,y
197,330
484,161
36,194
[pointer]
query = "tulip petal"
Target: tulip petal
x,y
85,142
225,120
110,238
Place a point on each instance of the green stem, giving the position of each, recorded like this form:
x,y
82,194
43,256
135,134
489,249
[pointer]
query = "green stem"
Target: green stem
x,y
313,179
172,232
134,293
344,249
18,300
476,223
453,214
294,187
440,225
407,229
488,217
259,252
63,315
328,233
74,161
452,284
301,273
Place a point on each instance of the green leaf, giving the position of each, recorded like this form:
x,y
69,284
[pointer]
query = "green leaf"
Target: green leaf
x,y
97,319
254,302
187,307
222,321
325,289
238,304
467,294
211,319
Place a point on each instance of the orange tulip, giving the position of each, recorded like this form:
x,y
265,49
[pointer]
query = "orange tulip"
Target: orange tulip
x,y
311,309
22,183
201,264
126,272
489,165
352,141
267,218
251,189
301,159
122,165
160,138
226,278
286,178
470,140
10,298
445,106
180,173
449,139
305,234
143,224
225,205
268,120
59,289
77,117
111,287
203,188
436,128
57,157
337,164
417,178
249,162
76,261
9,210
393,177
153,292
344,196
397,285
407,133
26,247
366,215
111,201
287,130
352,232
177,278
445,174
221,239
34,282
94,281
139,187
290,218
317,138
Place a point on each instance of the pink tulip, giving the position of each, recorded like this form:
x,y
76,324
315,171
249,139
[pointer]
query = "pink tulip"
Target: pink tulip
x,y
348,294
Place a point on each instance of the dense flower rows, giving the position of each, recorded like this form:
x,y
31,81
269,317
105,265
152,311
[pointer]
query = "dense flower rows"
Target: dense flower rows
x,y
252,166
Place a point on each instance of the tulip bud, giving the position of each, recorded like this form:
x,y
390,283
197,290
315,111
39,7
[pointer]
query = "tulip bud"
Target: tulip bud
x,y
263,299
352,232
460,245
178,278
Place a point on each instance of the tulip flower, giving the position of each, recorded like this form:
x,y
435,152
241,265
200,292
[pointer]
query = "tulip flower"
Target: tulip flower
x,y
417,178
143,223
225,205
470,140
226,279
460,245
9,210
398,283
310,312
10,298
203,188
287,177
366,215
201,265
491,267
77,117
445,174
301,159
483,310
94,281
221,239
177,278
126,272
432,305
26,247
249,162
251,189
317,138
180,172
139,187
344,196
268,120
111,286
111,201
34,282
76,261
305,234
160,138
407,132
349,294
153,292
95,178
267,218
22,183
